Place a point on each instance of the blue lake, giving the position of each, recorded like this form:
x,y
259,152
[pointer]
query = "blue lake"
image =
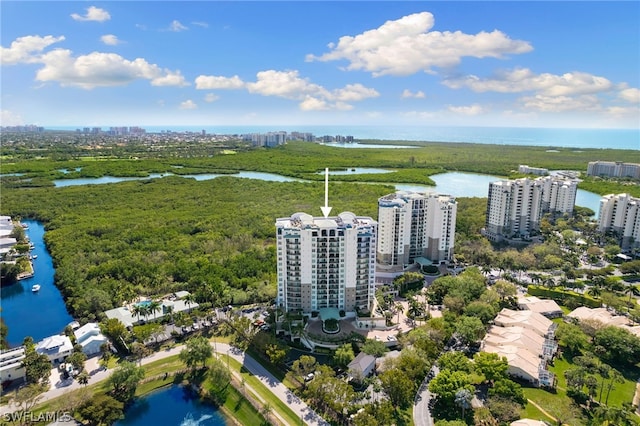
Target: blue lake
x,y
172,406
40,314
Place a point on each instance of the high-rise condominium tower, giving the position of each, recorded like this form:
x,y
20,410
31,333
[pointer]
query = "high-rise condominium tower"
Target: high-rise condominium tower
x,y
413,225
620,215
515,207
326,262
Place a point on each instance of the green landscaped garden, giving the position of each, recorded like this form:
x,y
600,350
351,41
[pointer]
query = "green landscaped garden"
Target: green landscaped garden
x,y
561,406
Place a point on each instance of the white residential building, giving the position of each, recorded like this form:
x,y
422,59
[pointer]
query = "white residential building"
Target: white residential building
x,y
515,207
613,169
413,225
533,170
558,194
620,215
11,368
90,338
57,348
326,262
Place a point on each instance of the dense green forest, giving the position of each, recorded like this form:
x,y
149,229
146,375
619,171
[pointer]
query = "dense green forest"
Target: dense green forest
x,y
215,237
304,160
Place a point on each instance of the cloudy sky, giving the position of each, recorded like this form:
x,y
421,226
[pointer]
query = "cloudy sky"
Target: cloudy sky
x,y
530,64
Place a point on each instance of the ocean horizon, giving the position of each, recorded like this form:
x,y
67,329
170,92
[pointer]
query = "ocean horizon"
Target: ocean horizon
x,y
524,136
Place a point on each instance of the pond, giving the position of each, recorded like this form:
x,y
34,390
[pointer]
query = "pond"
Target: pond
x,y
37,314
172,406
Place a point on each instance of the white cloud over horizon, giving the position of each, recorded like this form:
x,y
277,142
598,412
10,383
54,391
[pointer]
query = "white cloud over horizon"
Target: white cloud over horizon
x,y
188,104
93,14
523,80
407,45
10,118
289,85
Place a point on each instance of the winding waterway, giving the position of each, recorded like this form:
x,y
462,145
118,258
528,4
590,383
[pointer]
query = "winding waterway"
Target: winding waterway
x,y
458,184
36,314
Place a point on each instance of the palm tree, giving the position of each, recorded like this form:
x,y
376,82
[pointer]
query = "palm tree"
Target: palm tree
x,y
170,309
153,307
632,290
189,299
137,310
550,282
595,291
463,399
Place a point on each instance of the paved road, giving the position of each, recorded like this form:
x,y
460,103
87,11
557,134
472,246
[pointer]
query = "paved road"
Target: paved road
x,y
421,412
306,414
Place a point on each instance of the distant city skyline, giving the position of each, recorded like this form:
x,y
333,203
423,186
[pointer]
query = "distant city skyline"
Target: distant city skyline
x,y
214,63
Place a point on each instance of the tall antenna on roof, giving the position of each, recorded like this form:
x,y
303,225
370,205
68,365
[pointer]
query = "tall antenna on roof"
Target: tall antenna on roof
x,y
326,209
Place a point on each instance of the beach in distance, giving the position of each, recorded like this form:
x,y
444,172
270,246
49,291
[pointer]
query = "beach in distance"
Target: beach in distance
x,y
525,136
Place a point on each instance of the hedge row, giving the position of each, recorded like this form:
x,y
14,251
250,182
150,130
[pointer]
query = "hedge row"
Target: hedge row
x,y
562,296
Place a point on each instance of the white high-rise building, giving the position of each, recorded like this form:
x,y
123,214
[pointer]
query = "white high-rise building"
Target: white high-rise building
x,y
515,207
413,225
558,195
613,169
326,262
620,215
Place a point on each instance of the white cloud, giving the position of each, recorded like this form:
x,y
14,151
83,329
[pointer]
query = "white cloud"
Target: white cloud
x,y
474,109
313,104
545,103
26,49
211,97
110,39
93,14
289,85
188,104
406,46
523,80
176,26
200,24
285,84
406,93
9,118
630,95
210,82
354,93
101,69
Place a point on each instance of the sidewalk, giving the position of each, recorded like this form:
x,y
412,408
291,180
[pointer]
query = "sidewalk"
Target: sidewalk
x,y
254,367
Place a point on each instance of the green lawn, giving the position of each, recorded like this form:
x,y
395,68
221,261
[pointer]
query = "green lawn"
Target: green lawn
x,y
559,405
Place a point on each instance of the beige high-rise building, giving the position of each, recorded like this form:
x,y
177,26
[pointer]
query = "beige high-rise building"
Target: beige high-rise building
x,y
413,225
326,262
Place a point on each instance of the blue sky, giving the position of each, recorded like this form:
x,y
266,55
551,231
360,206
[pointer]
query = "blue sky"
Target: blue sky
x,y
516,64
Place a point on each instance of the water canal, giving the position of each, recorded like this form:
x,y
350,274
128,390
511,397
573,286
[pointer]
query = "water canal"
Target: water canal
x,y
36,314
